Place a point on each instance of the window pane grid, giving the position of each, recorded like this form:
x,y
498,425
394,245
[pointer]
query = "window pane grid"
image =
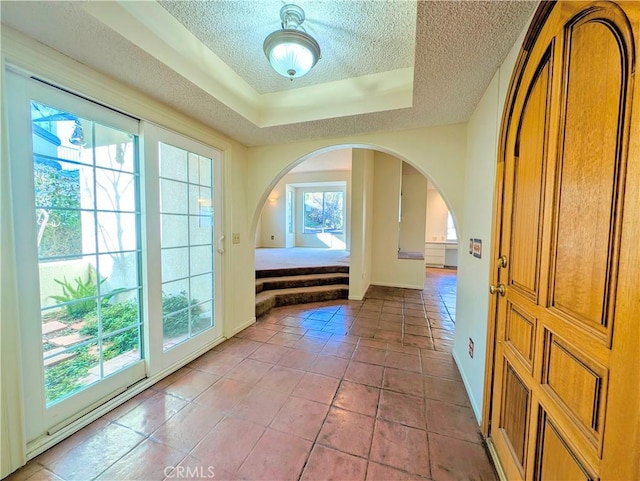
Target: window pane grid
x,y
66,160
104,211
184,182
323,212
86,254
185,194
86,191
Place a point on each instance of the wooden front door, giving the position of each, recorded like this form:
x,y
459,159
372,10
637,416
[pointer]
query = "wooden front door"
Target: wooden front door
x,y
565,397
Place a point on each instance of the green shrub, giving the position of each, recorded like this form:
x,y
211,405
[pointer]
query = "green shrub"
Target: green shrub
x,y
115,317
64,378
84,292
177,324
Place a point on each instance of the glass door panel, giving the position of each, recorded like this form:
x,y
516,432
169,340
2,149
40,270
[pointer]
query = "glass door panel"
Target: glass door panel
x,y
76,228
85,188
187,243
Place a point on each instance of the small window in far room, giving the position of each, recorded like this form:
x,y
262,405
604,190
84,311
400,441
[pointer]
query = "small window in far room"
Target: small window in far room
x,y
451,229
323,212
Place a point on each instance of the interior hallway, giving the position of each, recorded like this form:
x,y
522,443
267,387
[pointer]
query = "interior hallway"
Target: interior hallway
x,y
293,397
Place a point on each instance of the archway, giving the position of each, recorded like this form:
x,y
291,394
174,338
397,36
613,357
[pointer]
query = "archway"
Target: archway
x,y
363,154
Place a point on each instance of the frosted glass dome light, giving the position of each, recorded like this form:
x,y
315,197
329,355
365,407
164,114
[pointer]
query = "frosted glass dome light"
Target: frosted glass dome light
x,y
292,52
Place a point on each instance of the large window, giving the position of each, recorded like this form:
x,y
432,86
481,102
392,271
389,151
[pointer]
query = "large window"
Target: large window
x,y
186,210
86,208
323,212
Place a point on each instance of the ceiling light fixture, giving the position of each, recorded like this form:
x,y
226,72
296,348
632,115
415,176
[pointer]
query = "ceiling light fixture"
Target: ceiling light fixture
x,y
292,52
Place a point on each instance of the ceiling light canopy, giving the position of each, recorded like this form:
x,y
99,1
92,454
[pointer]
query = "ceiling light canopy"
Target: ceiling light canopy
x,y
292,52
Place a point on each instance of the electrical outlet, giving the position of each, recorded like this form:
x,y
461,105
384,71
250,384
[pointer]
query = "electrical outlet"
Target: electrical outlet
x,y
471,348
273,237
236,238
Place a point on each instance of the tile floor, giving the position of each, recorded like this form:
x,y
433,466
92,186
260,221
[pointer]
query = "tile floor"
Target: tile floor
x,y
338,390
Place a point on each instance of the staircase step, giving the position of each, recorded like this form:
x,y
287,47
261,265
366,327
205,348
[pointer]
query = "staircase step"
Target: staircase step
x,y
301,271
306,280
268,299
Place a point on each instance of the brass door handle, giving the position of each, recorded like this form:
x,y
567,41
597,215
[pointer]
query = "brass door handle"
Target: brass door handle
x,y
502,262
497,289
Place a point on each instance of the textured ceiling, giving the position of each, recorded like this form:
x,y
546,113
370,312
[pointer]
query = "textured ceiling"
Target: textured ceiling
x,y
458,47
356,37
339,159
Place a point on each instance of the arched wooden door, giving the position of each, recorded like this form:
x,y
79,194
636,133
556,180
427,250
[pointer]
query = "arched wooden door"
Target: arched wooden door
x,y
565,399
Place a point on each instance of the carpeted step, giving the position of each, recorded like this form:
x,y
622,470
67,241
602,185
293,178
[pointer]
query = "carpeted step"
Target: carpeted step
x,y
268,299
306,280
300,271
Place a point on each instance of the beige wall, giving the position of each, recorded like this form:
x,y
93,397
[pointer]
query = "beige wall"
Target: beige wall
x,y
387,269
412,224
437,152
360,265
473,274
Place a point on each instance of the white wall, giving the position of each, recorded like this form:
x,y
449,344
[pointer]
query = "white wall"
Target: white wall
x,y
436,218
473,274
388,270
273,218
412,224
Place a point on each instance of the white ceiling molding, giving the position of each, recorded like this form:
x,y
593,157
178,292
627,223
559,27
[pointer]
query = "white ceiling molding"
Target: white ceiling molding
x,y
341,98
406,65
155,30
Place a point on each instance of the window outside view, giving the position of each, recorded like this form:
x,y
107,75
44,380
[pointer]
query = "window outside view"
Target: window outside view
x,y
323,212
451,229
86,190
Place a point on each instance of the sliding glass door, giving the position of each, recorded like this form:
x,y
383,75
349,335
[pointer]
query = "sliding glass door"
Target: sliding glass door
x,y
75,174
184,229
119,250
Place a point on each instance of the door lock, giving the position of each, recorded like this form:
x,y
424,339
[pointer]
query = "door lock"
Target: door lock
x,y
502,262
497,289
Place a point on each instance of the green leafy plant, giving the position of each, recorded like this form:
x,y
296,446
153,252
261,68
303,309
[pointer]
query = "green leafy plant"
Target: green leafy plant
x,y
64,378
83,293
114,318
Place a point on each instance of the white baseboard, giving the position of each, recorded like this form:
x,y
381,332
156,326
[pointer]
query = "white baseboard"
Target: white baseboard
x,y
474,405
402,286
356,298
243,326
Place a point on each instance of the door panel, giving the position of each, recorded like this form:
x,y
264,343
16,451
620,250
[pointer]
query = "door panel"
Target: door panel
x,y
528,186
559,365
520,334
556,461
589,168
577,382
515,412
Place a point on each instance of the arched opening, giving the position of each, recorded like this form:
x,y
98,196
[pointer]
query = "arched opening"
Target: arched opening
x,y
389,237
305,220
